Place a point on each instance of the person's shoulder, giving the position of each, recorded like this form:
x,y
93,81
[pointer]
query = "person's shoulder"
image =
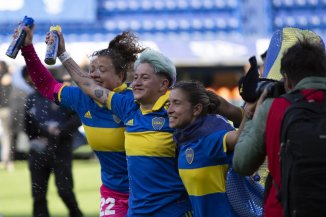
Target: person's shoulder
x,y
73,90
218,122
127,92
216,118
265,106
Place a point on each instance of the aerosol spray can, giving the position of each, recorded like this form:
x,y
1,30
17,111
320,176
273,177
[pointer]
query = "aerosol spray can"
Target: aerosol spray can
x,y
17,42
52,46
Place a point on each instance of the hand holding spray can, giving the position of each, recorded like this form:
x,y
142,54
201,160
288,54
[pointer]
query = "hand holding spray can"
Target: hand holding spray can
x,y
19,37
52,45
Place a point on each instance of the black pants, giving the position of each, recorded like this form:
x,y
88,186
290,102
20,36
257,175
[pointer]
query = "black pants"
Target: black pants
x,y
41,164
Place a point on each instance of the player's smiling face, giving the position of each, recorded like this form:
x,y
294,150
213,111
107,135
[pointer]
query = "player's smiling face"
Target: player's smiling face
x,y
147,85
180,111
102,71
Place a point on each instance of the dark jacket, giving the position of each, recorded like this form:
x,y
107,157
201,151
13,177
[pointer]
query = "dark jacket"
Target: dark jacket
x,y
40,113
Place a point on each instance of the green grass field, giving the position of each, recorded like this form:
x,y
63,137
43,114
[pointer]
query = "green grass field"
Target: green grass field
x,y
15,191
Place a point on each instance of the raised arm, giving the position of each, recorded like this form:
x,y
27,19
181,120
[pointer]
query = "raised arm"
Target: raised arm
x,y
41,77
87,85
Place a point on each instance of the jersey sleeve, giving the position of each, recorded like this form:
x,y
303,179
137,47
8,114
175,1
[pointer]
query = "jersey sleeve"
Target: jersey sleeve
x,y
218,148
120,104
72,97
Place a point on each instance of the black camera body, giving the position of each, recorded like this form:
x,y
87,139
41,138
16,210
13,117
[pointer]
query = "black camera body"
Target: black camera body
x,y
251,86
274,88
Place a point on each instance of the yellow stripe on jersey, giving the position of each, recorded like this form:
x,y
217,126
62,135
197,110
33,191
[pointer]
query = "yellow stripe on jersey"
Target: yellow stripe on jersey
x,y
205,180
150,143
108,103
105,139
59,93
119,89
158,104
224,142
161,101
98,104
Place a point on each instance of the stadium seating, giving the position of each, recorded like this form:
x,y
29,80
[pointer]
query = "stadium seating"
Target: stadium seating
x,y
308,14
147,17
188,17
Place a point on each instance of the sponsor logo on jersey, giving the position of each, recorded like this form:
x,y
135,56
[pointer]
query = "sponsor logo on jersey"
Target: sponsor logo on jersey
x,y
130,122
158,123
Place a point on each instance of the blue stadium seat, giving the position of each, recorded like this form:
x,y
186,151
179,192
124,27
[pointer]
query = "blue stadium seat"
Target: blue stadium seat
x,y
220,4
110,6
290,20
122,5
302,21
158,5
312,3
315,20
146,5
133,5
233,4
195,4
172,18
277,3
279,21
183,5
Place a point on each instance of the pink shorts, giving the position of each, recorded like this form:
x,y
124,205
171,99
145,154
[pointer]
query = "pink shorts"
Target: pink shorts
x,y
113,203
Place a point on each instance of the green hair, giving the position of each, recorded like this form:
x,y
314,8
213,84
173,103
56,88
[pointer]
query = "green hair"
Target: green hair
x,y
160,63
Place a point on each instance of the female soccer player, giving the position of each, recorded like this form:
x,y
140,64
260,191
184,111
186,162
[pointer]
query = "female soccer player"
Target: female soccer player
x,y
205,141
104,130
155,186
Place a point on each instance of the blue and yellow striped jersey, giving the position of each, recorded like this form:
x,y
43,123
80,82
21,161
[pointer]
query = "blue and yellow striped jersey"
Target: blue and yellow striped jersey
x,y
104,132
203,163
152,165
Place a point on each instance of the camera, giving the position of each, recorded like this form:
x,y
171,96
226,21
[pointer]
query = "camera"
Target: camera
x,y
274,88
251,86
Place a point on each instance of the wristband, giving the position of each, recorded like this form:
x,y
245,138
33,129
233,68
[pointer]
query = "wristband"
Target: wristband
x,y
64,57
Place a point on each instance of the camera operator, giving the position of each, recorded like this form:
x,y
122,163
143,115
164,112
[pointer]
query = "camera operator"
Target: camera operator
x,y
303,67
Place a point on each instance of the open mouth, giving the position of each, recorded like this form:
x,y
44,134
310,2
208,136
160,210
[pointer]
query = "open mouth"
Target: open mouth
x,y
171,118
137,90
98,83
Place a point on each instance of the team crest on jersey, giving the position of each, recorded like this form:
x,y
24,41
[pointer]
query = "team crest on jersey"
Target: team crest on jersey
x,y
190,155
116,119
158,123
